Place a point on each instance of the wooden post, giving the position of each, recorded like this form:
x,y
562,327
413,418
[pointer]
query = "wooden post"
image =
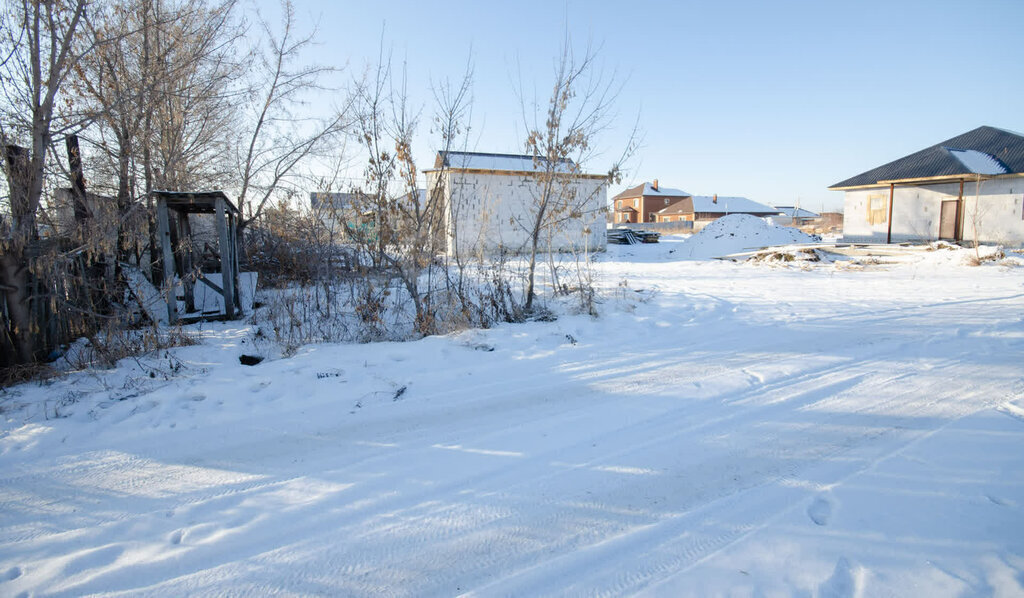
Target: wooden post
x,y
234,262
23,220
958,228
14,263
185,257
164,232
892,188
226,275
77,178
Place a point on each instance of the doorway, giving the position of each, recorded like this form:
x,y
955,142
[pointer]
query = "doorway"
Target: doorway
x,y
947,220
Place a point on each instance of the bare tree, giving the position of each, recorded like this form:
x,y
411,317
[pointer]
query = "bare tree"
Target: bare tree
x,y
279,140
407,233
191,51
579,109
42,44
452,113
42,41
386,126
115,86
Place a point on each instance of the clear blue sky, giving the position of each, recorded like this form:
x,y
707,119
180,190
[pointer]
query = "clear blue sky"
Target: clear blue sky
x,y
774,101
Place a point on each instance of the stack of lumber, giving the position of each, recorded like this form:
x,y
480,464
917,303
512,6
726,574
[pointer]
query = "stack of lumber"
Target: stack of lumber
x,y
626,236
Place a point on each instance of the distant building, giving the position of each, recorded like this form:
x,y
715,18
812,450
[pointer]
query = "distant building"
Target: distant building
x,y
831,222
966,188
487,201
794,216
336,210
642,202
61,208
322,200
704,209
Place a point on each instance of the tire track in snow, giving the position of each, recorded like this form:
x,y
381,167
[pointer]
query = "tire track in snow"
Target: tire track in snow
x,y
702,543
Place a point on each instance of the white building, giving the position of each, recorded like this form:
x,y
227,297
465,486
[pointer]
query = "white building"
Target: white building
x,y
793,216
967,188
489,201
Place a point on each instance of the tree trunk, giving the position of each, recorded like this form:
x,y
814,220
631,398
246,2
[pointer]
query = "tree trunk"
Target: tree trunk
x,y
13,260
534,240
77,180
124,199
14,281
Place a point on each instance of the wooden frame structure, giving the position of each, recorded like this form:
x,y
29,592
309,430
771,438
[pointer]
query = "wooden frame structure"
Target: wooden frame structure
x,y
173,209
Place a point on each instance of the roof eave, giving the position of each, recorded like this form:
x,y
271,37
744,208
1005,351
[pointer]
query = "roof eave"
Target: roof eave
x,y
946,178
581,175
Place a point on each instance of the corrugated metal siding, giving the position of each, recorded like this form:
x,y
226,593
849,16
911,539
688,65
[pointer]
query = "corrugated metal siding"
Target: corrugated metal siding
x,y
1005,146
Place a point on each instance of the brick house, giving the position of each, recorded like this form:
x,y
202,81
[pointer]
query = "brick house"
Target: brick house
x,y
703,209
642,203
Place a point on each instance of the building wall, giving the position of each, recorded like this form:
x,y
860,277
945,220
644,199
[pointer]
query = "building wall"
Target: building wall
x,y
491,212
651,205
997,206
646,206
626,202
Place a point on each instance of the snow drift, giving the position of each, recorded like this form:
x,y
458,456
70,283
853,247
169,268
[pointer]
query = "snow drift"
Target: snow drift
x,y
739,232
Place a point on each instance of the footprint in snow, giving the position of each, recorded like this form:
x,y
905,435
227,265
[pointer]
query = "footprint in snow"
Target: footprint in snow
x,y
820,511
842,584
13,573
176,537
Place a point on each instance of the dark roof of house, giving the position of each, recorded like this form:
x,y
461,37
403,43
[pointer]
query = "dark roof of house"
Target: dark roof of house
x,y
648,190
984,151
194,202
680,207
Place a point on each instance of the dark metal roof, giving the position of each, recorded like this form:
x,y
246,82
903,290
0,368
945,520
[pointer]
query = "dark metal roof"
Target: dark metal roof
x,y
195,202
631,192
936,161
680,207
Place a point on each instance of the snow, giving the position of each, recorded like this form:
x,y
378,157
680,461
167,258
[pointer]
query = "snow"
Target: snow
x,y
729,205
736,233
795,212
839,429
649,190
501,162
978,162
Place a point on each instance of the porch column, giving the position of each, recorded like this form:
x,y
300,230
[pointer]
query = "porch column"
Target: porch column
x,y
227,278
170,292
958,227
892,188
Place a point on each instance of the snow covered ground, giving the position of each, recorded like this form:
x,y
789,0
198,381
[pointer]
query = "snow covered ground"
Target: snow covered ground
x,y
826,429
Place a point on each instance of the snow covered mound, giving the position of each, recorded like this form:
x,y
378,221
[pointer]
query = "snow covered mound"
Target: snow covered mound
x,y
739,232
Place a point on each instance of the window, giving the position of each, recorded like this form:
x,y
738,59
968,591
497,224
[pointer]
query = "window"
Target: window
x,y
666,201
650,216
877,205
635,203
